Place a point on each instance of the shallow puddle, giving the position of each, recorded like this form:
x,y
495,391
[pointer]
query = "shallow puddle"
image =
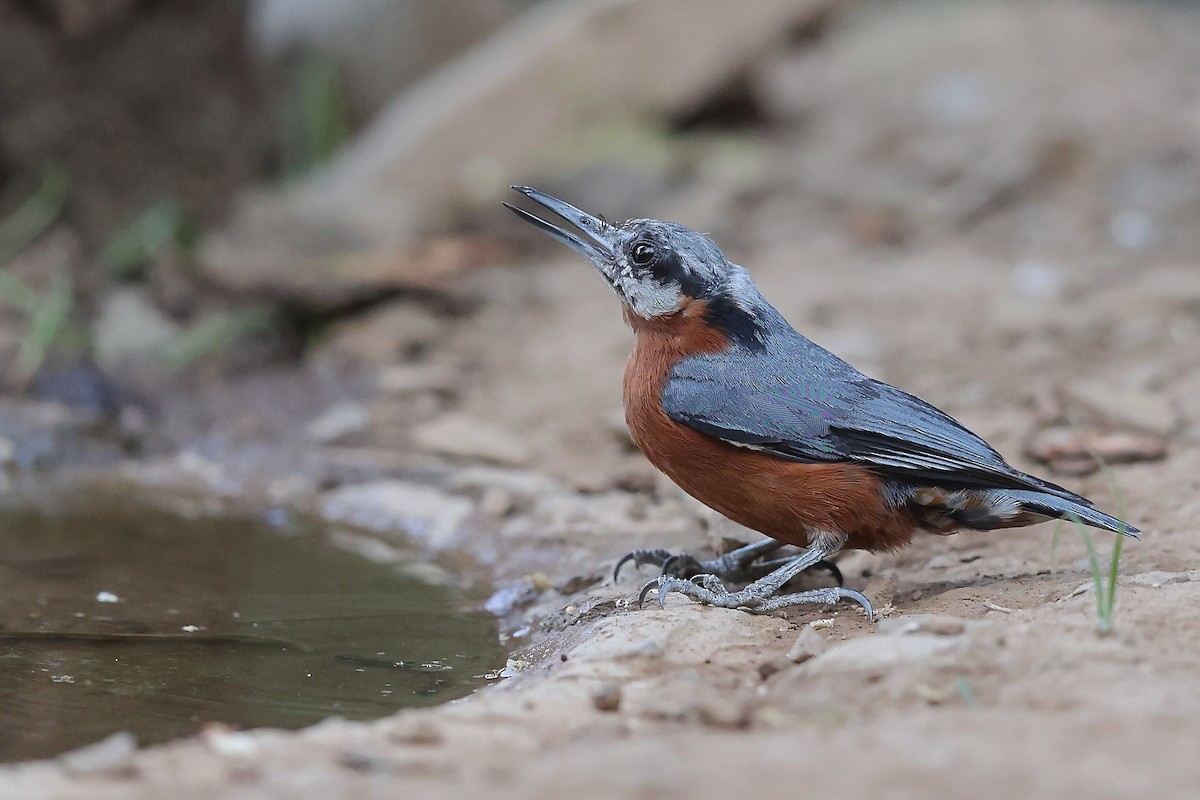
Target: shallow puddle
x,y
137,620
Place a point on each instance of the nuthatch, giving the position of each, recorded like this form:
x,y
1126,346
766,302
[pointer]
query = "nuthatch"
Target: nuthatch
x,y
776,433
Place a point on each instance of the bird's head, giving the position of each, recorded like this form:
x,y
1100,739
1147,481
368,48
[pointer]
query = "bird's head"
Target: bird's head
x,y
657,268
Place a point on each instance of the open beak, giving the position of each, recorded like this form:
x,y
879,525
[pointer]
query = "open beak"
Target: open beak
x,y
595,239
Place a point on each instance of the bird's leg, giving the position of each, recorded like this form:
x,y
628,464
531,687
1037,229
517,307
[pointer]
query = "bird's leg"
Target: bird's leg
x,y
760,596
733,566
763,568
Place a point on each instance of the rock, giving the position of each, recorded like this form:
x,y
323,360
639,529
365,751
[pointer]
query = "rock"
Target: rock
x,y
809,644
877,226
416,731
130,326
878,653
1158,578
228,743
378,47
405,379
82,386
772,666
355,229
495,503
1134,230
938,625
1039,279
394,331
426,514
607,697
521,483
646,648
111,755
684,697
881,590
1071,451
468,437
52,435
515,595
1126,406
577,583
941,561
338,422
512,668
320,269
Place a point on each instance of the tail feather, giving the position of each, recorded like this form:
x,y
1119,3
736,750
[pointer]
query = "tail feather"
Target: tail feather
x,y
1078,509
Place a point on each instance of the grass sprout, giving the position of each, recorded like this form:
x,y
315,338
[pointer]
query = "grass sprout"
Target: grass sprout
x,y
31,219
129,249
316,122
46,322
213,333
1104,581
46,313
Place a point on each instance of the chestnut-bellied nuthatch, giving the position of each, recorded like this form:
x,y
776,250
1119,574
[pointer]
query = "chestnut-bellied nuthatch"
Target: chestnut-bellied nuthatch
x,y
778,434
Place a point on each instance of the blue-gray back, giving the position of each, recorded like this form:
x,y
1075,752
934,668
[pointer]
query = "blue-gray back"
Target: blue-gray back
x,y
791,398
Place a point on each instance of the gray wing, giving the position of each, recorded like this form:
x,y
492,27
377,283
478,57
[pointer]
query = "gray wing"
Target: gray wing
x,y
808,405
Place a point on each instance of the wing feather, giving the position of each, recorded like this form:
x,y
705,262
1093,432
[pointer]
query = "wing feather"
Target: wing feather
x,y
801,403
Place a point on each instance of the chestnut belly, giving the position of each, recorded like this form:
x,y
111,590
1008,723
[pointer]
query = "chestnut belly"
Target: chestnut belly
x,y
783,499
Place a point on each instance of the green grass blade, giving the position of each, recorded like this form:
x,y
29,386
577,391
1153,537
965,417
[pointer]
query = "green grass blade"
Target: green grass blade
x,y
1102,606
1114,569
316,122
214,333
31,219
14,291
45,324
130,248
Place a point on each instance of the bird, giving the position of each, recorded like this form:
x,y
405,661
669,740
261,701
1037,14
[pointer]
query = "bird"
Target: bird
x,y
776,433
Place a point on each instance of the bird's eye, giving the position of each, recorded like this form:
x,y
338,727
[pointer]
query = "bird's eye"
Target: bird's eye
x,y
642,254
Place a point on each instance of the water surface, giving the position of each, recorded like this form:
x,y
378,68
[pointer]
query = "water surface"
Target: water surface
x,y
137,620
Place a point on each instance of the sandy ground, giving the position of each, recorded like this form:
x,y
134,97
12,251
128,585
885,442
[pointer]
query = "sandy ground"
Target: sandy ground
x,y
1007,230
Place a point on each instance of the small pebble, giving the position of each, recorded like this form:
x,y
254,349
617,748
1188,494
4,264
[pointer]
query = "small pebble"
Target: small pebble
x,y
809,644
935,624
113,754
607,697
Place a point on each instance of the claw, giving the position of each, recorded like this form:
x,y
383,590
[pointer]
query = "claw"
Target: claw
x,y
646,590
827,596
832,567
625,559
640,557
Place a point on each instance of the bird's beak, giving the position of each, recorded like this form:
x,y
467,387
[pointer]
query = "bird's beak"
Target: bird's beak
x,y
596,238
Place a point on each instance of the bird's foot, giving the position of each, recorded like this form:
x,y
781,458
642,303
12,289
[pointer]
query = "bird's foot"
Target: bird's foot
x,y
756,599
737,566
761,595
733,566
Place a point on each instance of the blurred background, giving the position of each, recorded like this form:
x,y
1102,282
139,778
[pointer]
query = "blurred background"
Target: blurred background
x,y
294,204
253,249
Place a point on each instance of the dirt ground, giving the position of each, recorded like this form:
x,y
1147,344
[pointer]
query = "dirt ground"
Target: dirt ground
x,y
992,205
